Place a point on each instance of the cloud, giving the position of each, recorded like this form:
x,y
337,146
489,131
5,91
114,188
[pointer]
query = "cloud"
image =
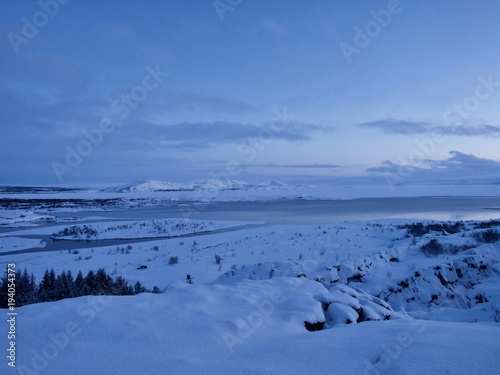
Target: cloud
x,y
54,77
39,128
462,161
308,166
386,167
201,135
458,168
197,103
482,130
27,113
403,127
391,126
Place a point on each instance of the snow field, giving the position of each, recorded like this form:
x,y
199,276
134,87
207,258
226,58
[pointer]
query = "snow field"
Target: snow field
x,y
129,229
252,327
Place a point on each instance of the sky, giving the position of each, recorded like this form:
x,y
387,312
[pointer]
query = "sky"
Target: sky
x,y
310,92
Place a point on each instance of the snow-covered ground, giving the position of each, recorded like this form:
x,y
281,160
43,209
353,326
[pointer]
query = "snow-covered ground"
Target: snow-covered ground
x,y
129,229
252,327
20,218
380,304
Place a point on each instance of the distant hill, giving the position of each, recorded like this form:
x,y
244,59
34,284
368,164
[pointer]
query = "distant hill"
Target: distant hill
x,y
204,184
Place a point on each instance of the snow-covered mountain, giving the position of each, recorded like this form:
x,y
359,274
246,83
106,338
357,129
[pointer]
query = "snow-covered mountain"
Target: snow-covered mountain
x,y
204,184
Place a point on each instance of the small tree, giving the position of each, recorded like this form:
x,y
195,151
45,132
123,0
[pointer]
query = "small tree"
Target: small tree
x,y
79,284
139,288
121,287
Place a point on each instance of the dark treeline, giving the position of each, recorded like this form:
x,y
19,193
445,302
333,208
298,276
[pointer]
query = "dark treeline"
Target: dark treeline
x,y
54,287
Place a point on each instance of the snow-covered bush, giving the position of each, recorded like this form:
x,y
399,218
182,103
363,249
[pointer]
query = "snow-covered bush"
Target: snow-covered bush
x,y
433,247
218,259
488,236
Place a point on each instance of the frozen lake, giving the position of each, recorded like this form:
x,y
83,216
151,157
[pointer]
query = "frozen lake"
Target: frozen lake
x,y
318,211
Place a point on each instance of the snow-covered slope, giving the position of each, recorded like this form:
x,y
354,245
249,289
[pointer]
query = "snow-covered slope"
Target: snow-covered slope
x,y
458,282
252,327
204,184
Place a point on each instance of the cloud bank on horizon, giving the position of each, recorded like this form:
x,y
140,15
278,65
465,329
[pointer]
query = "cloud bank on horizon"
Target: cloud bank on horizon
x,y
305,92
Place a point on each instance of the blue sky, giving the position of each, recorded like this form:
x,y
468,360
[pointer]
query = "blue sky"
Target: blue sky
x,y
97,92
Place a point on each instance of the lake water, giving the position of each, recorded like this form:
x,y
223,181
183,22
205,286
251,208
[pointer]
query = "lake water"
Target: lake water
x,y
319,211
